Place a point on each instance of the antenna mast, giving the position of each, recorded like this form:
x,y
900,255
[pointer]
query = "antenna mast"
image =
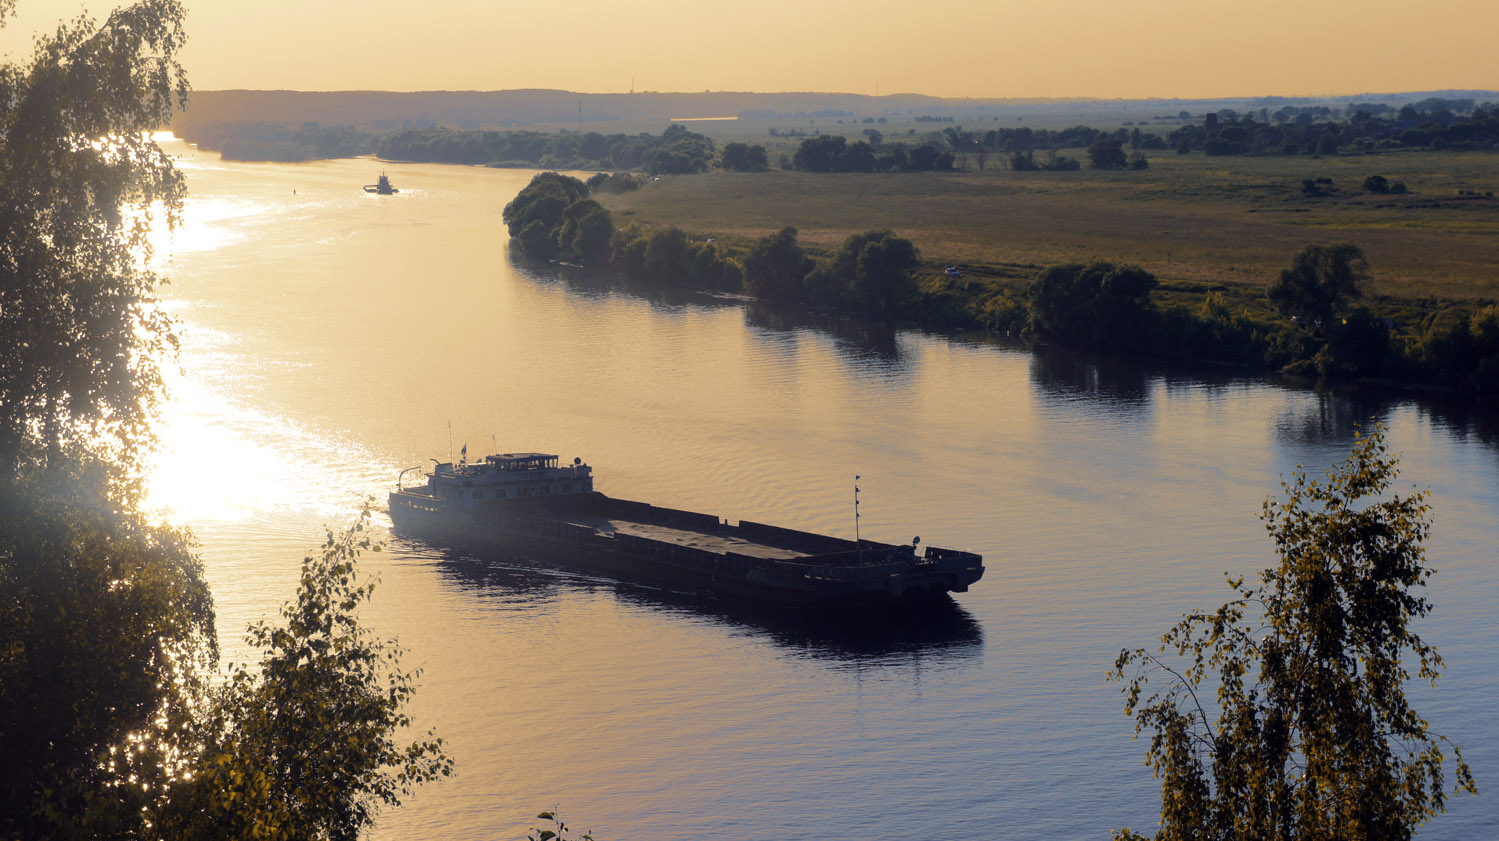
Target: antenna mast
x,y
856,508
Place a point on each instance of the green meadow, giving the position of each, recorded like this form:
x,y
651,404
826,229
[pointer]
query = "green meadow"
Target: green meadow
x,y
1199,223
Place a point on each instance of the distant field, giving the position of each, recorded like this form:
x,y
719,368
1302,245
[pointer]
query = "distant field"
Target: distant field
x,y
1195,221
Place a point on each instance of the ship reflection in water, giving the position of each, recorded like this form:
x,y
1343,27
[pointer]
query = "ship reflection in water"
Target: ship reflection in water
x,y
931,626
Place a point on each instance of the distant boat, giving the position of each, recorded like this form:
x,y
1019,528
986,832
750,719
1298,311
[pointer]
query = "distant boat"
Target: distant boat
x,y
382,187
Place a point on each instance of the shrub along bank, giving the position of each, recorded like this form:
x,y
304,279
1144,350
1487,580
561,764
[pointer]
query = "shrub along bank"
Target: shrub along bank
x,y
1311,321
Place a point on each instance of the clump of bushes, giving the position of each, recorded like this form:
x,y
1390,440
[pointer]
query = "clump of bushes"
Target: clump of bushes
x,y
742,157
668,257
872,272
618,182
1379,184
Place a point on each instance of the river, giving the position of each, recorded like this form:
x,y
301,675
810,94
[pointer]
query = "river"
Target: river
x,y
332,338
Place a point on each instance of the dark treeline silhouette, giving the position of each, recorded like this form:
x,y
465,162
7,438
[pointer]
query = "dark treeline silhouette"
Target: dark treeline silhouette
x,y
1363,127
1434,123
1310,321
833,153
675,151
954,147
1322,329
246,141
554,218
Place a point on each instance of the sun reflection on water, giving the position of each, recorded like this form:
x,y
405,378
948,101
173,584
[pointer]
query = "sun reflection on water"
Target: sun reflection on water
x,y
210,465
220,459
204,225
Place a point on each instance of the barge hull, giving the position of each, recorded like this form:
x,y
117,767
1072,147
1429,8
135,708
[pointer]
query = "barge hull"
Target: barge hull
x,y
695,552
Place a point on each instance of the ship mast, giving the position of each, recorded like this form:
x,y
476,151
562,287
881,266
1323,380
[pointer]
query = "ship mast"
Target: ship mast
x,y
856,508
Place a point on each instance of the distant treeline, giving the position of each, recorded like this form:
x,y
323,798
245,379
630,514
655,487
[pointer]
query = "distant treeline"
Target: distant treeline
x,y
274,142
675,151
1443,124
833,153
1374,128
1365,127
1434,123
1310,321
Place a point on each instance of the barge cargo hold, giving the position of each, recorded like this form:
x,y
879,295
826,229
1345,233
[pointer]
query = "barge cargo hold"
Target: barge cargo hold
x,y
526,504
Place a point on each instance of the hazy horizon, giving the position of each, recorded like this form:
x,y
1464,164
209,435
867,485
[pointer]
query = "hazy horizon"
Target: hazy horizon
x,y
1166,49
832,93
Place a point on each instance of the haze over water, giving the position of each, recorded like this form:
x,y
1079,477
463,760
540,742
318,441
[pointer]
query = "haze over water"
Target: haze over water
x,y
331,337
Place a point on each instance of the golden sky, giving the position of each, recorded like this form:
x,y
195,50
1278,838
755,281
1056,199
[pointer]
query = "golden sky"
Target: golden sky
x,y
960,48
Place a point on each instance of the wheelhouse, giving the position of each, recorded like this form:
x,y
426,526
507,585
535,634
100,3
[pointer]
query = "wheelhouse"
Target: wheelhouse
x,y
502,478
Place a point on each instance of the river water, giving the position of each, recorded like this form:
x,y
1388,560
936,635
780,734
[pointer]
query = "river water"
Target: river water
x,y
332,338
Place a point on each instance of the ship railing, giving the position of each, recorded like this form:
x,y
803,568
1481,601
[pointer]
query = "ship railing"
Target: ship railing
x,y
934,553
802,541
550,528
952,558
655,513
852,574
878,564
868,554
667,551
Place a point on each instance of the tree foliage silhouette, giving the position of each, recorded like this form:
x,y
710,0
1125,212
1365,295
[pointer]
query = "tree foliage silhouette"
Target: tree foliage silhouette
x,y
303,745
1286,716
109,727
1322,279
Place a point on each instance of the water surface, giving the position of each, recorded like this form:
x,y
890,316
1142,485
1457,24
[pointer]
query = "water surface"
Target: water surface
x,y
333,338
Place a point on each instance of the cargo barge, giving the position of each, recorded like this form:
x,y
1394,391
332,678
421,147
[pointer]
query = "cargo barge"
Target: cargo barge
x,y
525,503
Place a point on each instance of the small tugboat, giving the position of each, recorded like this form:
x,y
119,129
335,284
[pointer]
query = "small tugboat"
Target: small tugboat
x,y
382,187
525,503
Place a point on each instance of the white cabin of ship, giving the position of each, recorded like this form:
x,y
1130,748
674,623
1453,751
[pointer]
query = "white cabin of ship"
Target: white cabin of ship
x,y
506,477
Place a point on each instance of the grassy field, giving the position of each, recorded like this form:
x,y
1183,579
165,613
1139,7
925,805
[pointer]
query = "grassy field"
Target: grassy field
x,y
1197,222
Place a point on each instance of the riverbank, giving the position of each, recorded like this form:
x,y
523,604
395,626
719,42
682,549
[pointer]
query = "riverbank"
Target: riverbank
x,y
1214,232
